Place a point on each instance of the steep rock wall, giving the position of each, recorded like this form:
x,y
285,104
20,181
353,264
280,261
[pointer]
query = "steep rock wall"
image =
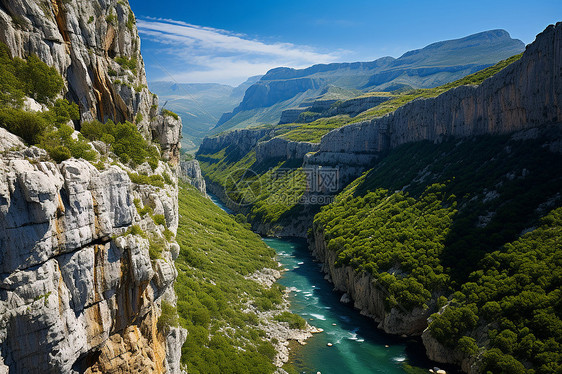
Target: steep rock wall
x,y
84,41
526,94
279,148
367,295
240,141
74,282
190,172
80,287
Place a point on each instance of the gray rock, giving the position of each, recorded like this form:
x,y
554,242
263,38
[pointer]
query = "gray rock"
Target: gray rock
x,y
279,148
190,172
240,141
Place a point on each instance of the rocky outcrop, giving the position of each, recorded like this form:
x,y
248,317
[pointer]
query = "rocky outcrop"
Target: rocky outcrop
x,y
166,130
367,294
95,46
279,148
81,39
82,272
526,94
240,141
190,172
78,290
291,115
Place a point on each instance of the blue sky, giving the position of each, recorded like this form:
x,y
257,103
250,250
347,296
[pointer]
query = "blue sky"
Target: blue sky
x,y
229,41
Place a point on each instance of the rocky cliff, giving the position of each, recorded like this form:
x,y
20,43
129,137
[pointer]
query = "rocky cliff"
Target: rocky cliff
x,y
526,94
366,293
279,148
190,172
87,255
95,46
239,141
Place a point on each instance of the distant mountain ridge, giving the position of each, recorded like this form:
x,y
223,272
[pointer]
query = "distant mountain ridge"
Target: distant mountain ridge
x,y
199,104
436,64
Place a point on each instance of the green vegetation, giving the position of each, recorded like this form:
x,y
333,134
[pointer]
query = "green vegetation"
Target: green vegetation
x,y
111,19
135,230
168,318
131,21
390,234
450,233
61,146
30,77
155,180
91,19
127,63
125,141
266,192
48,129
142,211
313,132
166,112
159,219
217,253
295,321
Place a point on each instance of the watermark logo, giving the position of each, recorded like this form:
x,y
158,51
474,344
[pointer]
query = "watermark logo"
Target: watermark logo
x,y
242,187
306,186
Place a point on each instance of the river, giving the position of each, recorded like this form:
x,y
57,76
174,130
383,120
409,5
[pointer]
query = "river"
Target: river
x,y
358,347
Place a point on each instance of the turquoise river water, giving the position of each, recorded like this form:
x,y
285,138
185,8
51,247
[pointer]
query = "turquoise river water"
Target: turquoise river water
x,y
358,347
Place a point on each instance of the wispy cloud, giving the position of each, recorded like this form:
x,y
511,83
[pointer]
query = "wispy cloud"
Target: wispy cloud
x,y
202,54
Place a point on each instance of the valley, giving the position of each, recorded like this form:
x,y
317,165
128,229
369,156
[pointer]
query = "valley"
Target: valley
x,y
400,215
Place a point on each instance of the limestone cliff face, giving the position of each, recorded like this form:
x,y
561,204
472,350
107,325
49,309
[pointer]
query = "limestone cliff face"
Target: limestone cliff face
x,y
526,94
367,295
279,148
239,141
95,46
83,274
190,172
78,290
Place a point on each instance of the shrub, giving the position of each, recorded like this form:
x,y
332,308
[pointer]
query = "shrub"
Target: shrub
x,y
111,19
159,219
295,321
59,144
153,180
168,318
41,81
125,140
127,63
167,178
166,112
135,230
130,21
28,125
60,153
156,247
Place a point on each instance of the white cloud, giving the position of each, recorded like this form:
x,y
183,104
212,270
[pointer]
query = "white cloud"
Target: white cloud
x,y
203,54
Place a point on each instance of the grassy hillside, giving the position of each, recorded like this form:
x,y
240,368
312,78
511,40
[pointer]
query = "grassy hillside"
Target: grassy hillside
x,y
265,192
217,253
445,223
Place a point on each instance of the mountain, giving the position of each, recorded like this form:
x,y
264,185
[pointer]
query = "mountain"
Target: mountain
x,y
438,212
200,105
434,65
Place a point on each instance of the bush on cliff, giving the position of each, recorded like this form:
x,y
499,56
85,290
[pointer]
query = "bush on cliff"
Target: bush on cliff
x,y
125,140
